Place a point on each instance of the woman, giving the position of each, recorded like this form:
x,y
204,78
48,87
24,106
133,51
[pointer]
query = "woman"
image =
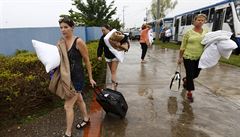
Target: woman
x,y
190,52
110,58
76,52
144,41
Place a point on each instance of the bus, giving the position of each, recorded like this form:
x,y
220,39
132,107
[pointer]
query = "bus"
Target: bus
x,y
163,22
224,15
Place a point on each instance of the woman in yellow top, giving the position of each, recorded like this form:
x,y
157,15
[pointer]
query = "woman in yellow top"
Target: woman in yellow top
x,y
190,52
144,41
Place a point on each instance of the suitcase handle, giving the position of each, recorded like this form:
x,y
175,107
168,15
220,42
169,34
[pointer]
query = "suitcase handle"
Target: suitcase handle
x,y
97,90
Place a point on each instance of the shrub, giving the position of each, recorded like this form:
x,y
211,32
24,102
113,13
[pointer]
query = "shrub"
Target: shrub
x,y
24,83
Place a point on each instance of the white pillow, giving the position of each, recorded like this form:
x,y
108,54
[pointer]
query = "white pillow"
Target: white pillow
x,y
209,57
119,54
48,54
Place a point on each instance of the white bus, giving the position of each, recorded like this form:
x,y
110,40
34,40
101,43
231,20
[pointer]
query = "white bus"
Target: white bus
x,y
224,15
163,22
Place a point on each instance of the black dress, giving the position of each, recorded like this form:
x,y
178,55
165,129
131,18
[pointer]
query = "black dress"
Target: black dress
x,y
76,67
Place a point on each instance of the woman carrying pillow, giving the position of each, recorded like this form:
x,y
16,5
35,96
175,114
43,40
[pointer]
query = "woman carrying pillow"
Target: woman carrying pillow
x,y
110,58
190,51
76,51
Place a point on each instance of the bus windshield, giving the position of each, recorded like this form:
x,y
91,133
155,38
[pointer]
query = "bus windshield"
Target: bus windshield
x,y
237,5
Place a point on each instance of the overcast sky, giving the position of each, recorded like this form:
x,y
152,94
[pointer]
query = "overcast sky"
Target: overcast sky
x,y
45,13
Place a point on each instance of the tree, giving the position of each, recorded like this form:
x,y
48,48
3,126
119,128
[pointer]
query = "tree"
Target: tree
x,y
165,5
93,13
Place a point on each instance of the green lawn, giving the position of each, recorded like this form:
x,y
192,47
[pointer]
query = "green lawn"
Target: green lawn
x,y
233,60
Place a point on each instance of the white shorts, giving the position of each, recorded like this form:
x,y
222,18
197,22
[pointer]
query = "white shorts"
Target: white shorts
x,y
111,60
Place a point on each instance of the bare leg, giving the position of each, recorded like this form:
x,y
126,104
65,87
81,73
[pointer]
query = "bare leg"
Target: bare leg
x,y
82,107
113,67
68,106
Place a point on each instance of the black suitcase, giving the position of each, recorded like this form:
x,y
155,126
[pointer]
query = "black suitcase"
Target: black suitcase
x,y
112,101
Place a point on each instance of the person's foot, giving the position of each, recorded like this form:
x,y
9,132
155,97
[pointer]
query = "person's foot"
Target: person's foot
x,y
143,61
189,96
67,135
83,124
114,85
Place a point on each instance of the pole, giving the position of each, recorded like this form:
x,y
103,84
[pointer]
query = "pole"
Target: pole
x,y
146,15
124,17
157,25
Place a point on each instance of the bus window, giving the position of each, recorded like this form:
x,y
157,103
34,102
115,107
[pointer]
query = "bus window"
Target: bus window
x,y
237,5
189,19
183,20
238,11
210,19
228,16
218,20
195,14
205,12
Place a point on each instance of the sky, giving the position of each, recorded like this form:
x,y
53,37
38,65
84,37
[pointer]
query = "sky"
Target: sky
x,y
45,13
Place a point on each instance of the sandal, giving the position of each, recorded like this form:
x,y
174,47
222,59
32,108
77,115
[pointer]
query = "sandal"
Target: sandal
x,y
83,124
115,83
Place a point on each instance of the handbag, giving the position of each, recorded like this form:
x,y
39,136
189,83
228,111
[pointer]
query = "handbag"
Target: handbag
x,y
176,79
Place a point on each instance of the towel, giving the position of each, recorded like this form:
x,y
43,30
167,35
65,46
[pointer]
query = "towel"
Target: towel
x,y
61,84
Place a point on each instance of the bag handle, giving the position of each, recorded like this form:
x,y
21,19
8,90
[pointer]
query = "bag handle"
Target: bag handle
x,y
179,67
97,90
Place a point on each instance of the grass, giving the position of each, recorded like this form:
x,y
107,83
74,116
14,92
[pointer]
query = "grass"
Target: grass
x,y
169,45
233,60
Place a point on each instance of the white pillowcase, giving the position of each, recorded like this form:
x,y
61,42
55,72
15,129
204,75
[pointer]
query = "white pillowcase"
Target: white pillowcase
x,y
48,54
119,54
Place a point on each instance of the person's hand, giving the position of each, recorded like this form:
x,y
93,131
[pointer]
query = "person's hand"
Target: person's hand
x,y
92,82
100,58
180,60
148,43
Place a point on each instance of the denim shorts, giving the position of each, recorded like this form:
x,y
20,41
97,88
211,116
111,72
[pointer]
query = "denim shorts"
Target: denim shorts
x,y
78,87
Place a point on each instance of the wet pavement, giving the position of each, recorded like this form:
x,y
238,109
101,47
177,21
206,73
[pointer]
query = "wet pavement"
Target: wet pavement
x,y
154,110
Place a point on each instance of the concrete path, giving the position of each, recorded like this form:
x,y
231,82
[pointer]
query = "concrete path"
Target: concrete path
x,y
155,111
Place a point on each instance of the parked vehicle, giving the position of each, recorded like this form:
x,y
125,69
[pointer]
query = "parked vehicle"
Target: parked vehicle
x,y
134,33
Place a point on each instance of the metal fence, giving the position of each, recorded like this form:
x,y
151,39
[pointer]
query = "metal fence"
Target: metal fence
x,y
12,39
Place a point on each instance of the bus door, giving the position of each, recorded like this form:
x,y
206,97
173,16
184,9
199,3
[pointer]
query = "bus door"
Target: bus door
x,y
176,25
218,20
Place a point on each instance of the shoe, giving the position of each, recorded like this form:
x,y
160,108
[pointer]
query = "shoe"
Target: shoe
x,y
190,97
66,136
83,124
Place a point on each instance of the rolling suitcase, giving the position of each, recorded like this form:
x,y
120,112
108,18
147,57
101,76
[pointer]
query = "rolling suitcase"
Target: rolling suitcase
x,y
112,101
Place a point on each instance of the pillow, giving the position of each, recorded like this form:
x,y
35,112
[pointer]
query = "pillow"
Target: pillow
x,y
119,54
48,54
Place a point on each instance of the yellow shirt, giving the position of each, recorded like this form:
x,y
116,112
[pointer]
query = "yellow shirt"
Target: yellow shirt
x,y
191,44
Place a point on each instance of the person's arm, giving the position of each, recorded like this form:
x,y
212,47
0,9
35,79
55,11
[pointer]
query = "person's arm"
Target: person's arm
x,y
100,48
84,52
182,48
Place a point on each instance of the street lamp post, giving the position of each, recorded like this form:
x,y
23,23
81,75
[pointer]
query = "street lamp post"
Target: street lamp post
x,y
157,24
124,17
